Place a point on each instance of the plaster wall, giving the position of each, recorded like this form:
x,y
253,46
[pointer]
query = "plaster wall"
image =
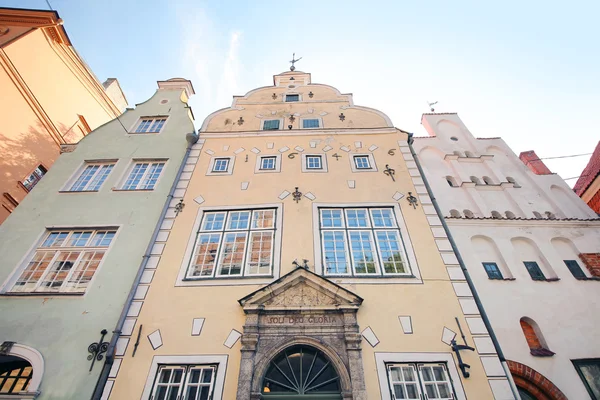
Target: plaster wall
x,y
61,327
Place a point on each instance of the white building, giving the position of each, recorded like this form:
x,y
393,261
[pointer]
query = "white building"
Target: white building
x,y
532,249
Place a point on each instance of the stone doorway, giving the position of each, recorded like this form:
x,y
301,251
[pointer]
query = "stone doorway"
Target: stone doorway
x,y
301,310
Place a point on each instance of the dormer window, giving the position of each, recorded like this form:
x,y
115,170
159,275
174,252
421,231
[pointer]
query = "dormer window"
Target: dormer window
x,y
292,97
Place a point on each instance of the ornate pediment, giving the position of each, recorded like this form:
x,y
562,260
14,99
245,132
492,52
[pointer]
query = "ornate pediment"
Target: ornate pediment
x,y
301,290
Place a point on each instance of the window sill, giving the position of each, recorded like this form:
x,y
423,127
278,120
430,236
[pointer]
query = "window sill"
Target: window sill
x,y
44,294
132,190
226,281
589,278
78,191
541,352
502,279
547,280
228,278
143,133
374,280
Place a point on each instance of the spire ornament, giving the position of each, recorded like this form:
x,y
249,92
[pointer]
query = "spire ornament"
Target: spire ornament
x,y
292,68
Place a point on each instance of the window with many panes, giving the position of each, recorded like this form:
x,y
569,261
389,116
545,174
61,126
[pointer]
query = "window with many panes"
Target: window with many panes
x,y
310,123
189,382
271,125
362,162
268,163
234,244
34,177
534,270
575,269
144,175
92,177
65,261
362,242
419,381
492,270
292,97
314,162
589,372
150,125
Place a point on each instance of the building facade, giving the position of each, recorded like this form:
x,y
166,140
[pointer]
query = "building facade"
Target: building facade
x,y
73,248
47,107
532,248
308,262
588,185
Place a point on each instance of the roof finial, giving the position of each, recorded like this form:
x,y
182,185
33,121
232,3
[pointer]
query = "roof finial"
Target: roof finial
x,y
292,68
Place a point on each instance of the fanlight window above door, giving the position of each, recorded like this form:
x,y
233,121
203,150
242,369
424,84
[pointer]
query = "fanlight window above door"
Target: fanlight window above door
x,y
301,372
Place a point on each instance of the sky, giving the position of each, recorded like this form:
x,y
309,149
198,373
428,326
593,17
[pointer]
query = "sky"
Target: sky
x,y
526,71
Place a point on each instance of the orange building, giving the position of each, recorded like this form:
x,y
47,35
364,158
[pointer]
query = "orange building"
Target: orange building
x,y
37,62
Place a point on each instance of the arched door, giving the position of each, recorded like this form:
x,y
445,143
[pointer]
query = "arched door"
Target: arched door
x,y
301,372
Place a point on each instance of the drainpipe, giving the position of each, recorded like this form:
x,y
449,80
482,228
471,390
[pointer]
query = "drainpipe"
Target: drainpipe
x,y
461,262
191,138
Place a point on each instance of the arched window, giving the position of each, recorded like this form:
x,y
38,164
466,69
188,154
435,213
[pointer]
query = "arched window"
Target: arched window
x,y
537,215
535,340
496,215
451,181
15,374
455,213
475,180
469,154
510,179
550,215
301,371
510,215
487,180
468,214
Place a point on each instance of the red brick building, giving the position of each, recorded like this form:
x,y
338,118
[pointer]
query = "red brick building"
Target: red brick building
x,y
588,184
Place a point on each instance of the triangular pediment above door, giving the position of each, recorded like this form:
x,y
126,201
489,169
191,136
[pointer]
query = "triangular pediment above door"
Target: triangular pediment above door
x,y
301,290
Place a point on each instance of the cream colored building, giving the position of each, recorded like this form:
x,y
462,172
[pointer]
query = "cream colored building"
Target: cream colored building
x,y
299,268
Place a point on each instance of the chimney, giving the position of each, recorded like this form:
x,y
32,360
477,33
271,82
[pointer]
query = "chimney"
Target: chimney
x,y
534,163
177,84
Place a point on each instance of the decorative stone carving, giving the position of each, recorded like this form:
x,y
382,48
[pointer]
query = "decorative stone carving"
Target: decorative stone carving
x,y
300,295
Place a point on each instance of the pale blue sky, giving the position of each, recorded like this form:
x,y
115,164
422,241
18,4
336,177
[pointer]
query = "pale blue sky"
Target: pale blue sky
x,y
523,70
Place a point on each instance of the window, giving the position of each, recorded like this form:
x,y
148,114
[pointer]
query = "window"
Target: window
x,y
268,163
468,214
310,123
313,162
589,372
475,180
575,269
144,175
34,177
455,214
150,125
234,244
190,382
418,381
362,162
65,261
362,242
271,125
534,270
220,165
487,180
534,338
492,270
292,97
451,181
15,376
92,177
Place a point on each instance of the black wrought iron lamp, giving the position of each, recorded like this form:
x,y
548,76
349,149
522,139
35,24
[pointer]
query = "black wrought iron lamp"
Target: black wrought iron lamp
x,y
97,349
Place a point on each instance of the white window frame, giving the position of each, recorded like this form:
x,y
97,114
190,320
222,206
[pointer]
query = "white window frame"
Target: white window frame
x,y
237,279
306,118
75,177
132,165
383,359
372,164
219,380
285,95
138,122
24,262
213,160
379,278
257,168
281,122
324,167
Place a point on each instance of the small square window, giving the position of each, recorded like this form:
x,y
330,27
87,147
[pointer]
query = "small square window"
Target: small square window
x,y
268,163
150,125
221,165
310,123
313,162
575,269
271,125
492,270
534,270
292,97
362,162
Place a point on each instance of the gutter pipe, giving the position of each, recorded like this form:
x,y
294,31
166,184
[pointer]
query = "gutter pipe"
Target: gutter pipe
x,y
191,138
461,262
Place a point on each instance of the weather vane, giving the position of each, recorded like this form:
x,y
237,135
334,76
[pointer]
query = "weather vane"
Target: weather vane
x,y
292,68
431,105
